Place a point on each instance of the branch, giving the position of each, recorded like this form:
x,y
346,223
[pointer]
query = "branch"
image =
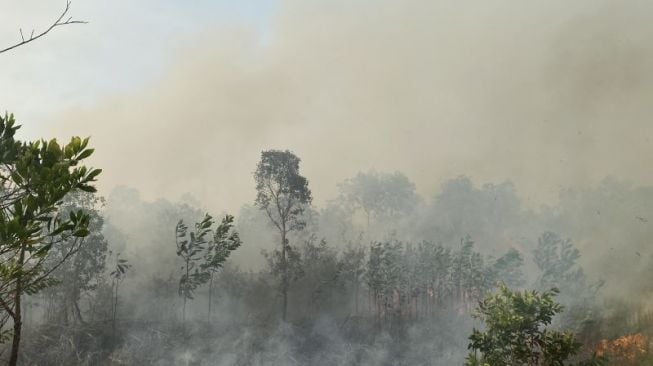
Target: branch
x,y
57,23
7,308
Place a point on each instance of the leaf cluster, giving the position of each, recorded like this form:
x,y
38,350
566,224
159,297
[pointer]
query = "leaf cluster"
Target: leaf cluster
x,y
34,179
203,250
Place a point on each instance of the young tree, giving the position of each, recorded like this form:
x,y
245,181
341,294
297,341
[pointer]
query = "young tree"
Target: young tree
x,y
203,255
352,268
515,331
385,275
469,275
117,276
283,194
34,179
191,247
225,240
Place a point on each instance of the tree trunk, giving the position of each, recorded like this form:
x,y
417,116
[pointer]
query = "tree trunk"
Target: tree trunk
x,y
115,310
18,321
356,295
15,344
210,295
78,313
185,293
284,274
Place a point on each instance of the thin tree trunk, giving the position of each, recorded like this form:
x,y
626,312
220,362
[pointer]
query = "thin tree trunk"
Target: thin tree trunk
x,y
356,294
78,313
18,321
115,310
210,295
183,311
284,274
183,314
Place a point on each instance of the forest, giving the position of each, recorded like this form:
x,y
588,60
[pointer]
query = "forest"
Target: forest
x,y
377,276
295,182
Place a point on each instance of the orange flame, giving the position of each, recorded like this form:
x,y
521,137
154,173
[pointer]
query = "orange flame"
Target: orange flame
x,y
627,349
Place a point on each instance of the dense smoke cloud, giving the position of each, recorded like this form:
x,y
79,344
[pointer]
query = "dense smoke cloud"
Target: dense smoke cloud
x,y
546,94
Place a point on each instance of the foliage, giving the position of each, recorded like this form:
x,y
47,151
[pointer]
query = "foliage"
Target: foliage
x,y
191,248
117,275
507,269
556,258
515,331
34,179
225,240
281,191
381,197
283,194
81,273
203,254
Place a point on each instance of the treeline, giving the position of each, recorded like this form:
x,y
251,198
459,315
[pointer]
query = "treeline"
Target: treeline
x,y
377,275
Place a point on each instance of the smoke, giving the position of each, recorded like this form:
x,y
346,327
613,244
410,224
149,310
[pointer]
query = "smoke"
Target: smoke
x,y
546,94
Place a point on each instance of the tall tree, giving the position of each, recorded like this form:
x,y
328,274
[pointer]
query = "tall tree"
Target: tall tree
x,y
380,196
34,179
283,194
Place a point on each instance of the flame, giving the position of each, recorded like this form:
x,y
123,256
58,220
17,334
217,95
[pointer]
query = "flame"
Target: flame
x,y
627,349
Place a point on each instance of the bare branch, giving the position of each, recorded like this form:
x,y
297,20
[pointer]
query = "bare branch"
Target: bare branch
x,y
57,23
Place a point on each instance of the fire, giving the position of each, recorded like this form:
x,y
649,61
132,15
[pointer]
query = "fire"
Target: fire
x,y
627,349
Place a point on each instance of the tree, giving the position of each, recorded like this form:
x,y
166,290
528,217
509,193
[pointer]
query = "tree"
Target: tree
x,y
516,334
225,240
191,249
283,194
57,23
34,179
203,255
81,272
385,275
469,276
556,258
352,268
117,276
381,196
507,269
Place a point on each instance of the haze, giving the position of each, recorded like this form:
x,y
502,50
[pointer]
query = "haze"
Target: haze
x,y
545,94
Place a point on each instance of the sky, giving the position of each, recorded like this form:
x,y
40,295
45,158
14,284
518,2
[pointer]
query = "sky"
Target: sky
x,y
181,97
